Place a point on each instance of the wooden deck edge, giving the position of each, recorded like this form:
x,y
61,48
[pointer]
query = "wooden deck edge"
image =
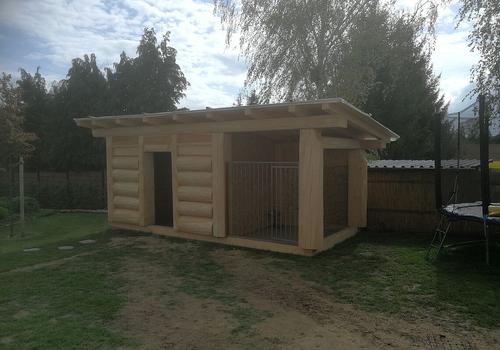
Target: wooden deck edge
x,y
232,241
337,237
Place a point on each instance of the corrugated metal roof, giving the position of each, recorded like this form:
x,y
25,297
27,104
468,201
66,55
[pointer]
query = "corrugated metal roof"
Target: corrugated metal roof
x,y
422,164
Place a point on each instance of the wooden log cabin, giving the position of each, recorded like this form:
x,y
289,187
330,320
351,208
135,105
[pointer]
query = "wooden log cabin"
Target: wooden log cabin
x,y
289,177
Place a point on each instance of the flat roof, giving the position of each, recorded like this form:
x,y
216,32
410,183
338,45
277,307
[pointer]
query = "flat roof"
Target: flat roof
x,y
410,164
320,114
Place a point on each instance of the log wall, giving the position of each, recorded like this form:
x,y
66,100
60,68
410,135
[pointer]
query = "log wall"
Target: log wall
x,y
193,183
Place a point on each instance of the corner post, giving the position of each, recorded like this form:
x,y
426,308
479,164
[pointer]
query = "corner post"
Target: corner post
x,y
220,145
109,177
310,189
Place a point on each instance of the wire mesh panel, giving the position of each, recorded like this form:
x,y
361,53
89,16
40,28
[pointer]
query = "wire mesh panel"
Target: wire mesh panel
x,y
263,200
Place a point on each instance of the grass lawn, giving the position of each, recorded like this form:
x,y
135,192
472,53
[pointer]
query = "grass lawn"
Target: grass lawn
x,y
137,290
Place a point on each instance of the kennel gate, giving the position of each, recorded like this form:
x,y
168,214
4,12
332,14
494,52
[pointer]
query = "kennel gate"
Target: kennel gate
x,y
263,200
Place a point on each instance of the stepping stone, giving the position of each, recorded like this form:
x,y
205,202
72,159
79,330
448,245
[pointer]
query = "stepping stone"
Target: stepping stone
x,y
65,247
87,241
31,249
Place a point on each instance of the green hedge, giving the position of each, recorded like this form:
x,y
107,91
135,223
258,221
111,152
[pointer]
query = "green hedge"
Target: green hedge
x,y
30,205
74,196
3,213
61,196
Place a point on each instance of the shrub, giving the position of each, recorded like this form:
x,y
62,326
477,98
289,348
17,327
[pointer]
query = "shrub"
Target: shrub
x,y
4,202
30,205
3,213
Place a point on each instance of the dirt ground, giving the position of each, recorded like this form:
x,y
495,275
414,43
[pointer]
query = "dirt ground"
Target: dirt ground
x,y
260,306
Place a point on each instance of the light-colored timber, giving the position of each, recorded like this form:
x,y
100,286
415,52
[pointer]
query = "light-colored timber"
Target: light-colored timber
x,y
129,189
125,163
194,178
310,189
203,144
196,209
123,202
194,163
194,194
124,175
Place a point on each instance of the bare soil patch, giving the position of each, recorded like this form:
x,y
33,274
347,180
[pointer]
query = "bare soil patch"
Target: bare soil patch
x,y
173,303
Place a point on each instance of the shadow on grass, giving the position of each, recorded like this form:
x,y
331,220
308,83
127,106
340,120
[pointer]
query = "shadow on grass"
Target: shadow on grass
x,y
387,272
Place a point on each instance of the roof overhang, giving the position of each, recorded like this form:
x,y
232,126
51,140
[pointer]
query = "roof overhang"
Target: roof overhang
x,y
331,114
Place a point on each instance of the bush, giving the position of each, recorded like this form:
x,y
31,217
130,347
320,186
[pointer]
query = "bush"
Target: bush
x,y
4,202
3,213
30,205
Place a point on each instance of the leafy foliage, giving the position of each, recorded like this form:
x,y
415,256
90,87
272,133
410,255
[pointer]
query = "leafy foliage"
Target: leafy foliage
x,y
151,82
485,38
361,50
14,141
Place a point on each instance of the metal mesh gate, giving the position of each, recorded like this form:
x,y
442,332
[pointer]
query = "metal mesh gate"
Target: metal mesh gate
x,y
263,200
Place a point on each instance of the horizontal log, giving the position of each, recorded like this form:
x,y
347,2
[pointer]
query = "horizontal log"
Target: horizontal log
x,y
127,189
125,216
196,209
157,148
313,122
157,140
126,151
339,143
123,202
191,224
201,149
121,141
125,163
194,138
194,163
122,175
194,194
185,178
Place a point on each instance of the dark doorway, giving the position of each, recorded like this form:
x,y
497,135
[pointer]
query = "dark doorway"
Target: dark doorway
x,y
163,189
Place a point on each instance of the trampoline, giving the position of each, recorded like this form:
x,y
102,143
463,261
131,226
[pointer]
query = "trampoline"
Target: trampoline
x,y
454,210
469,211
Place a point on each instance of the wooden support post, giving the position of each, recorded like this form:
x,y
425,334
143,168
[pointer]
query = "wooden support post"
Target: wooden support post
x,y
219,184
147,183
175,186
310,189
109,176
357,188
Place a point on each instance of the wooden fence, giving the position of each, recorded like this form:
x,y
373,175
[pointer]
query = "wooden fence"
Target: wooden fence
x,y
399,200
402,200
62,190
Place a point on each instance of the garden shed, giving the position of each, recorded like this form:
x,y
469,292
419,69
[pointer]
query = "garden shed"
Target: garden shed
x,y
289,177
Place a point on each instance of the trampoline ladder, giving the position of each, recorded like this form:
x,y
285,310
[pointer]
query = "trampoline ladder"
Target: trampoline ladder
x,y
438,239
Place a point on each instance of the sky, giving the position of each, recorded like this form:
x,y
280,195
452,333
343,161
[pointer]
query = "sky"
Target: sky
x,y
50,33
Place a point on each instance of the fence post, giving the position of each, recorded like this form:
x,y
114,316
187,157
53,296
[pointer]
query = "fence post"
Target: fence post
x,y
21,192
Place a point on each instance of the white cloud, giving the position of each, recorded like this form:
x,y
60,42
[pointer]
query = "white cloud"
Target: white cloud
x,y
69,29
452,59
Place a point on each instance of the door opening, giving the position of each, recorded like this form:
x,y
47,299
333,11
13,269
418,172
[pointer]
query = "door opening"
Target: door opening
x,y
163,189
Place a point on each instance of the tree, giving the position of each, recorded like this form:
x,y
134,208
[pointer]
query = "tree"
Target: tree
x,y
292,47
151,82
362,50
14,141
403,92
34,100
251,98
82,94
484,15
